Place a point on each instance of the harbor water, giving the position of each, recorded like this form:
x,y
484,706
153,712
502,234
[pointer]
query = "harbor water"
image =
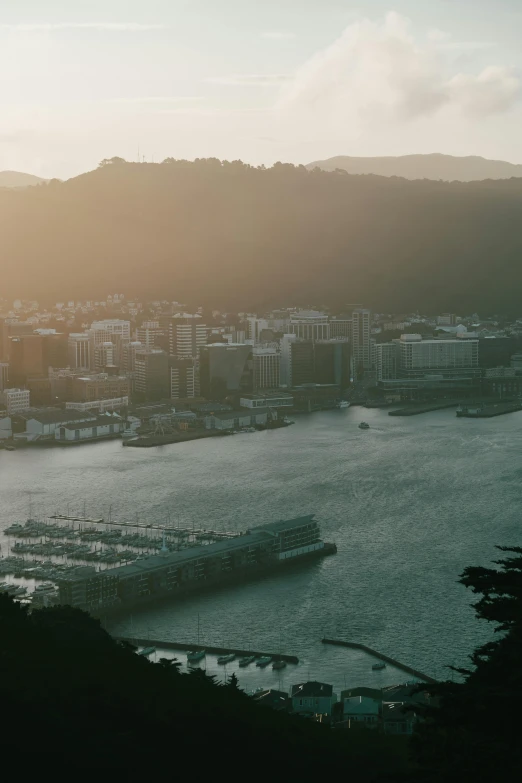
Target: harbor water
x,y
409,503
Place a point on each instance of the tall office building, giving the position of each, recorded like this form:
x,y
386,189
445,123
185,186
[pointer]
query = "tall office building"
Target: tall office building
x,y
385,361
79,351
26,358
4,340
302,362
320,362
361,347
54,348
341,327
149,333
16,400
186,335
309,325
4,375
255,326
183,378
115,327
286,359
418,358
104,356
267,367
152,376
128,359
225,369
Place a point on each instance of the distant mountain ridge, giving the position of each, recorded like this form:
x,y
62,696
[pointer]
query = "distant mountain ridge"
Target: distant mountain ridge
x,y
18,179
434,166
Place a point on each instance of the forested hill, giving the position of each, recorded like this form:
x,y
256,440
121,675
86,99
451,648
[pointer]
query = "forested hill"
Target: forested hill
x,y
234,236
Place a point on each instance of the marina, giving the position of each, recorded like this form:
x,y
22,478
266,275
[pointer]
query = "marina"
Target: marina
x,y
245,656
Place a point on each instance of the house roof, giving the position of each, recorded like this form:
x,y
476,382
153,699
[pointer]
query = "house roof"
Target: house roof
x,y
313,688
57,416
100,421
371,693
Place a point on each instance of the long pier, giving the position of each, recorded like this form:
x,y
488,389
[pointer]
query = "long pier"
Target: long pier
x,y
382,657
167,645
168,529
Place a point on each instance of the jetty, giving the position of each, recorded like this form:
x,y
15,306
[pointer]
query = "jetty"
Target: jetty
x,y
386,658
182,647
417,408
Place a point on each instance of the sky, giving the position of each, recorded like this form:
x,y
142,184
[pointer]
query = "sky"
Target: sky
x,y
289,80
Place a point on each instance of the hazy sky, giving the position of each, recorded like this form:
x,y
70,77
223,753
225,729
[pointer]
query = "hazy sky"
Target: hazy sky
x,y
260,80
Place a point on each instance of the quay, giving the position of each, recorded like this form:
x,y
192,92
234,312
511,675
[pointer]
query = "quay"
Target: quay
x,y
209,649
488,411
416,409
382,657
149,441
168,529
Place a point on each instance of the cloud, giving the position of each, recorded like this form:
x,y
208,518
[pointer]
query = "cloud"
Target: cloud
x,y
156,99
278,35
377,72
131,27
249,79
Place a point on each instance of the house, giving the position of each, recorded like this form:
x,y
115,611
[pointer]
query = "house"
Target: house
x,y
313,698
398,717
276,700
362,709
101,427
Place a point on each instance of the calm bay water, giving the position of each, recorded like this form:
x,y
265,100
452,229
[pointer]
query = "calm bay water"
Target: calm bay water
x,y
409,503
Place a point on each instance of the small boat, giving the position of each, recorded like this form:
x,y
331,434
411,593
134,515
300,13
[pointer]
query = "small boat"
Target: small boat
x,y
223,659
278,664
9,448
343,404
147,651
378,666
246,661
364,425
264,661
195,655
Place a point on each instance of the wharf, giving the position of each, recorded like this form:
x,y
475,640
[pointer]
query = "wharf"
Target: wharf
x,y
181,647
382,657
488,411
416,409
149,441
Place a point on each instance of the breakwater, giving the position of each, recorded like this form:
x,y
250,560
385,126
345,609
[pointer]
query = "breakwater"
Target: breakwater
x,y
382,657
182,647
415,409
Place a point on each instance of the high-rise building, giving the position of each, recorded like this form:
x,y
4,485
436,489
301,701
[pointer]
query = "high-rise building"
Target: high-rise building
x,y
361,347
447,319
26,358
79,351
286,359
183,378
128,361
186,336
341,327
320,362
449,358
225,369
4,375
385,360
104,356
4,340
255,327
16,400
152,376
100,386
54,348
302,362
149,333
309,325
267,367
115,327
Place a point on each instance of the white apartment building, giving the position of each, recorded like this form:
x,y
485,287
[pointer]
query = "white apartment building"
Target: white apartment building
x,y
361,346
267,367
418,357
79,351
309,325
385,360
186,336
16,400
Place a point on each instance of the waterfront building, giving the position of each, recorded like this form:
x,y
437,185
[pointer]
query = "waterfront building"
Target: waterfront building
x,y
309,325
302,362
385,360
6,430
152,374
234,420
273,401
312,698
320,362
455,357
361,347
186,335
43,424
267,367
173,574
97,429
100,406
16,400
79,351
183,378
225,369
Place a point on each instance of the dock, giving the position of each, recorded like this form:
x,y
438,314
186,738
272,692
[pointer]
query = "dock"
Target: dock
x,y
182,647
416,409
386,658
488,411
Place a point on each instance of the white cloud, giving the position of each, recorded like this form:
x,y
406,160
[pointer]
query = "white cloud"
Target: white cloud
x,y
279,35
438,35
110,26
248,79
157,99
376,72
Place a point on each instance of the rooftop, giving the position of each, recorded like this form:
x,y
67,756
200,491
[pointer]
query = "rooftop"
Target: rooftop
x,y
100,421
315,689
55,416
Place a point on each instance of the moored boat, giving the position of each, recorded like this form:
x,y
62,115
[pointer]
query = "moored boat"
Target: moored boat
x,y
147,651
278,664
378,666
223,659
195,655
264,661
246,661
